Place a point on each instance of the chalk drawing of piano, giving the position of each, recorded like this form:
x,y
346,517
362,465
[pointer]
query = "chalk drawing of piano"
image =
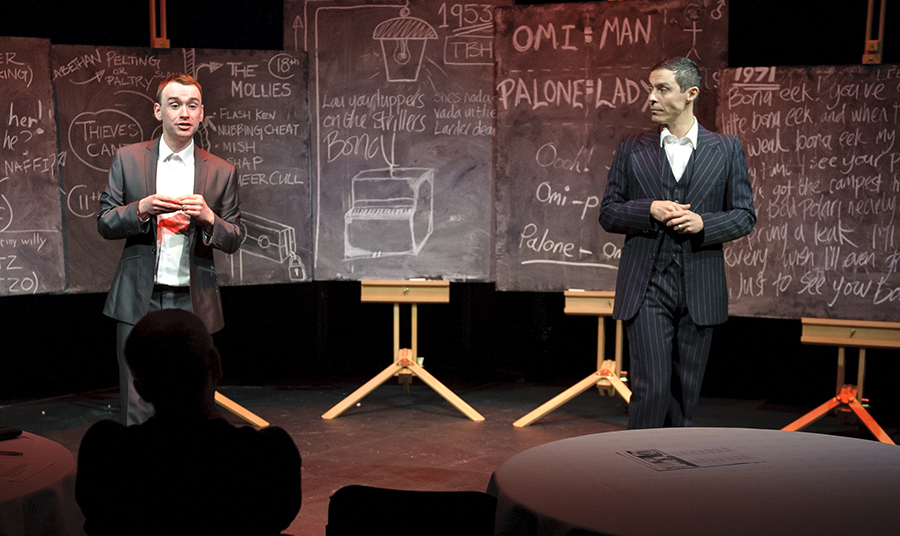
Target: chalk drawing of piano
x,y
391,212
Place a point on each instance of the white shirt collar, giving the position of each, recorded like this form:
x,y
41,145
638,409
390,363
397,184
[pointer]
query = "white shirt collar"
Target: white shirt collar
x,y
187,155
690,138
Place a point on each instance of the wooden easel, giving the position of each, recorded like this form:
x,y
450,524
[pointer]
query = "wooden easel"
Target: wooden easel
x,y
405,364
240,411
844,334
608,377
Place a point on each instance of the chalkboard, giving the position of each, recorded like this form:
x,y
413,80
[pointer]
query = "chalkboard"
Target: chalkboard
x,y
31,239
402,122
256,117
570,83
824,159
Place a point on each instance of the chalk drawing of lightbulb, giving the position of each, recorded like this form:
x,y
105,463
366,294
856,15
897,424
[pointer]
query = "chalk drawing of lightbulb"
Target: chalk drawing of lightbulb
x,y
403,41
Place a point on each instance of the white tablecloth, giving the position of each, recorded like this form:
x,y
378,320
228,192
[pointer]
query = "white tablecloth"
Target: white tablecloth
x,y
37,489
701,481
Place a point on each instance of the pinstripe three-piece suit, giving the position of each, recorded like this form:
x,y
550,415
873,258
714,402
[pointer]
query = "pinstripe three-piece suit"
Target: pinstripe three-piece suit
x,y
671,288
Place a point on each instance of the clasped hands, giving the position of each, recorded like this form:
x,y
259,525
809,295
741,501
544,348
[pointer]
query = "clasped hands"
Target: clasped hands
x,y
193,205
676,216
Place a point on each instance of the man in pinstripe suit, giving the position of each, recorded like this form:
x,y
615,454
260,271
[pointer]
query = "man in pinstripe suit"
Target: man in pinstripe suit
x,y
677,193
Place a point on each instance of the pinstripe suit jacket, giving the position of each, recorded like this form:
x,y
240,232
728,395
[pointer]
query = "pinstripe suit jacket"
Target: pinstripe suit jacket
x,y
132,176
719,191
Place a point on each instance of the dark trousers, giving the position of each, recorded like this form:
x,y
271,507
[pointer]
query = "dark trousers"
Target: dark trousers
x,y
134,409
668,355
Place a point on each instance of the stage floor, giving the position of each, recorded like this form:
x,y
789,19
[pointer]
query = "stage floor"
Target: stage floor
x,y
416,441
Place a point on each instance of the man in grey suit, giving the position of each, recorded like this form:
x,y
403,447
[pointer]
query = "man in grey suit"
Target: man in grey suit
x,y
677,193
173,203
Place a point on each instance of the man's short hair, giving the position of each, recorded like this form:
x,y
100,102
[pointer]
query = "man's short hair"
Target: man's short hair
x,y
170,353
687,75
180,78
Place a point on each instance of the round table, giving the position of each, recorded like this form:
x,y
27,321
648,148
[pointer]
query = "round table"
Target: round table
x,y
700,481
37,488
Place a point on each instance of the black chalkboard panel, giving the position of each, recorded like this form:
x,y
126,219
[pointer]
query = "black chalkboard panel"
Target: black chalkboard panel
x,y
255,116
824,158
570,83
31,239
258,119
401,106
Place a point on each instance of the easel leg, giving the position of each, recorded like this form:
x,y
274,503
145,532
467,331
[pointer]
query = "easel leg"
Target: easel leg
x,y
405,366
357,395
606,378
559,400
841,367
403,375
414,330
442,390
870,423
847,397
620,346
618,384
813,416
240,411
396,331
861,374
604,387
411,368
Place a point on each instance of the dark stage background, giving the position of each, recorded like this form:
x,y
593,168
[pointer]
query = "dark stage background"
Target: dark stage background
x,y
317,332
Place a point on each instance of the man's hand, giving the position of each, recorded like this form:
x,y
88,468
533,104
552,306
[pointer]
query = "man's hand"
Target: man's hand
x,y
155,204
195,206
677,216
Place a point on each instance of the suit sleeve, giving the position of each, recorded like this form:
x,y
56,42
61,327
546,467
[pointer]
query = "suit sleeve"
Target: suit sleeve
x,y
227,233
118,217
618,212
738,216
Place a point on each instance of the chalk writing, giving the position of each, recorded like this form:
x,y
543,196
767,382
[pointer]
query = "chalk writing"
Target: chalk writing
x,y
255,117
583,94
31,245
615,31
821,145
403,123
571,81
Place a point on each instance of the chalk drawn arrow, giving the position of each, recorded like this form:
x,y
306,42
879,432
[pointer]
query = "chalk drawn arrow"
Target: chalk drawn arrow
x,y
213,66
298,25
96,78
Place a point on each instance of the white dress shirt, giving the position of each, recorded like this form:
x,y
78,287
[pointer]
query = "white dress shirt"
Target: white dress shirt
x,y
174,178
678,151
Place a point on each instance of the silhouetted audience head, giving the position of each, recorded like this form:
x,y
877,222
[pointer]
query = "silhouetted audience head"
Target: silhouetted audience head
x,y
184,471
173,359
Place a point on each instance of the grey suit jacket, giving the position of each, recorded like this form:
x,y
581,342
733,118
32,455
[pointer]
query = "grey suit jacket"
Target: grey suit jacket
x,y
132,176
719,191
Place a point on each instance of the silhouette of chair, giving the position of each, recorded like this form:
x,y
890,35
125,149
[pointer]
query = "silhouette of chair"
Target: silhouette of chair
x,y
369,511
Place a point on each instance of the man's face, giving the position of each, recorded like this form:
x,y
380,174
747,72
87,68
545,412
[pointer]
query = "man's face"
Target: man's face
x,y
180,109
667,102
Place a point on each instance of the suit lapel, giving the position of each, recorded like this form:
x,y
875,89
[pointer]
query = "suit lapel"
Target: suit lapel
x,y
707,165
201,170
151,157
647,169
